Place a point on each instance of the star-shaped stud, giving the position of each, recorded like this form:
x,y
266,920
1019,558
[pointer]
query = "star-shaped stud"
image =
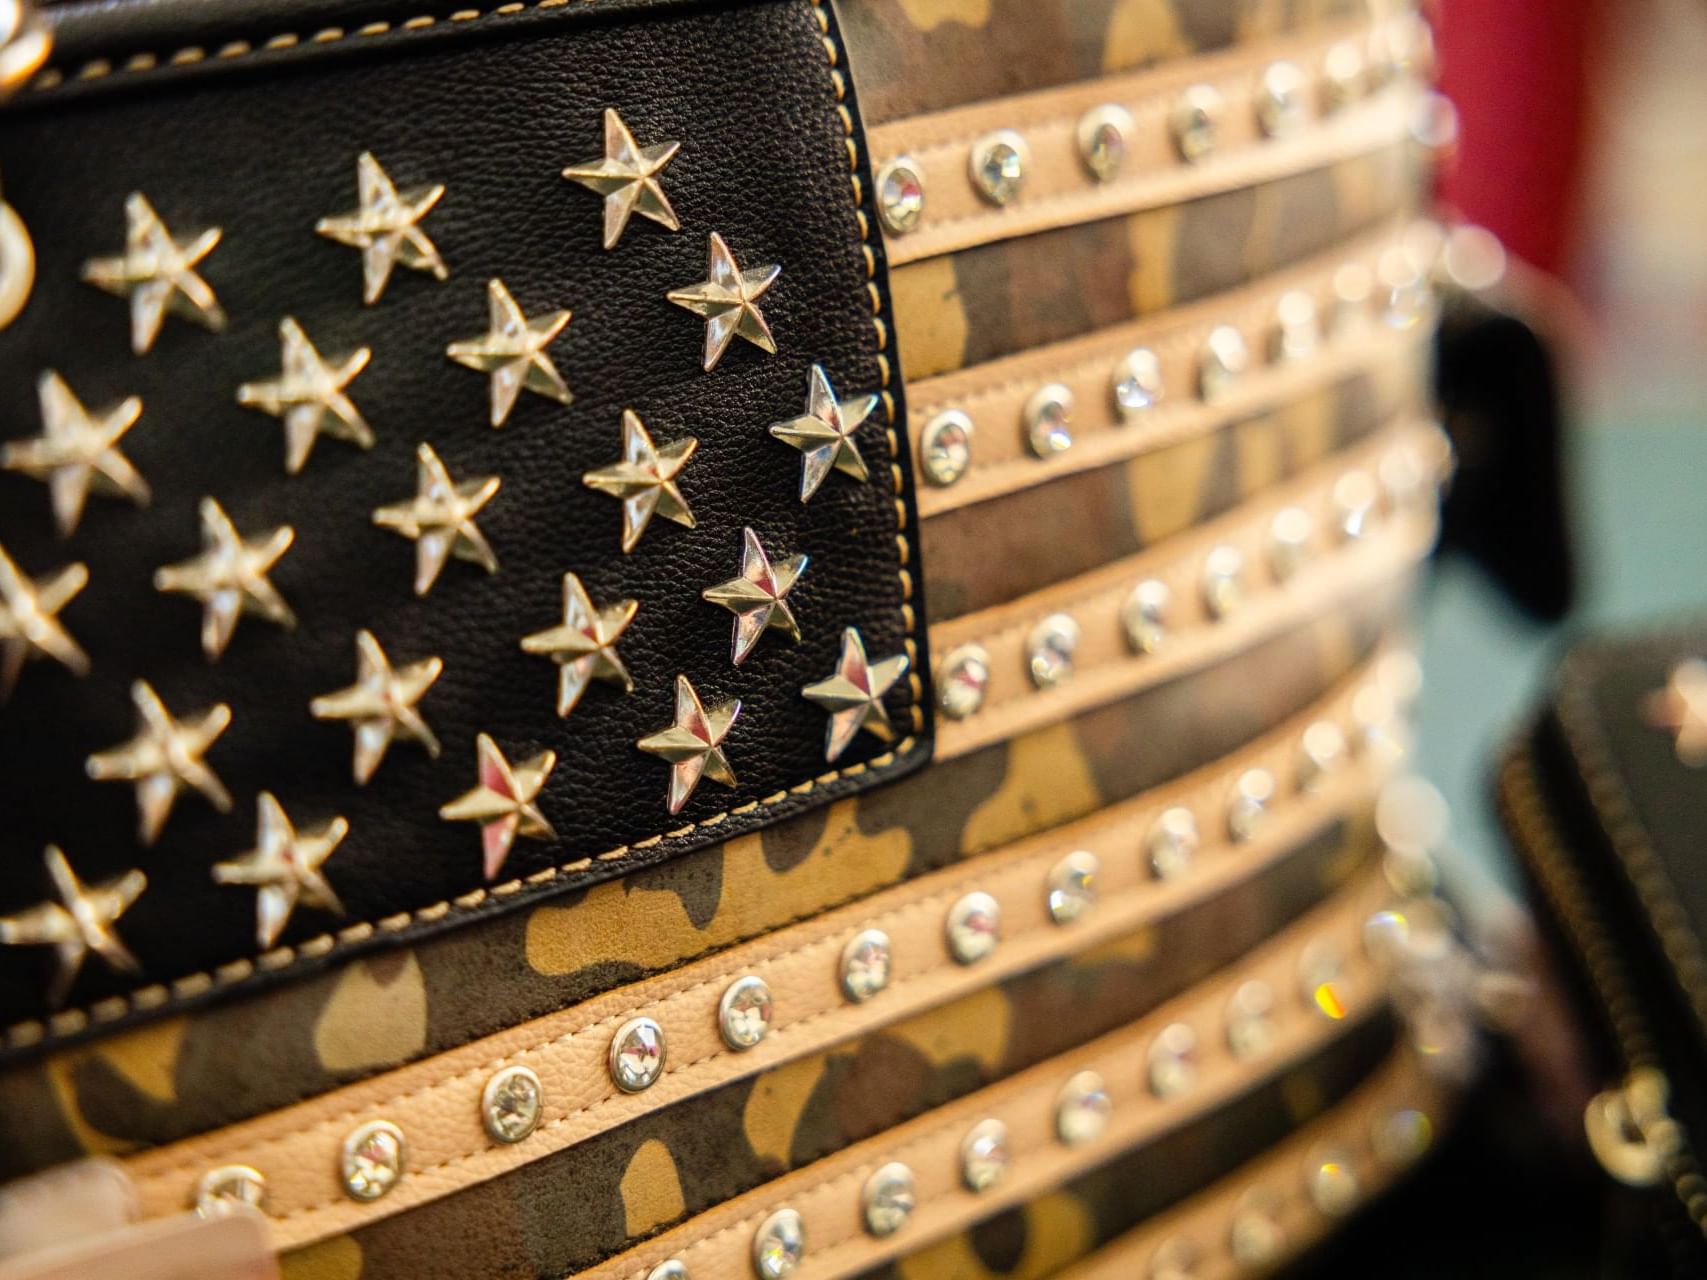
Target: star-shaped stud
x,y
728,298
645,479
513,351
440,519
80,922
164,759
384,227
693,745
584,644
627,178
759,596
380,705
29,620
854,694
824,434
286,865
77,452
504,802
229,577
157,272
309,396
1681,709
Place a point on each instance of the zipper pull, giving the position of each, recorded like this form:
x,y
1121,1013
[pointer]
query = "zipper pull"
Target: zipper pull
x,y
1629,1129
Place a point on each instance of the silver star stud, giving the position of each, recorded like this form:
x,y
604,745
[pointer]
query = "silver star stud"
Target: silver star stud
x,y
824,434
29,620
77,452
728,299
693,745
854,695
584,645
229,577
157,272
513,351
309,396
504,802
627,178
1681,709
380,705
440,519
80,922
384,227
759,596
645,480
164,759
286,866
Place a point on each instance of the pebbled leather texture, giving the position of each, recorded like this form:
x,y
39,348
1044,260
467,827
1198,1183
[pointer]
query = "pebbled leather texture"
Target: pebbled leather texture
x,y
263,148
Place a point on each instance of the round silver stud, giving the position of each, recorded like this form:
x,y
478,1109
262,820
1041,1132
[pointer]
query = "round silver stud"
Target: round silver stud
x,y
1224,360
1321,979
744,1013
1256,1238
1102,135
1281,108
1049,649
1354,286
670,1269
1322,753
1174,1259
1289,541
973,928
637,1052
900,195
999,162
1250,1020
1297,331
1172,843
510,1104
945,447
1137,382
1333,1183
1344,76
1072,886
889,1199
963,681
779,1245
1402,1137
1171,1063
984,1155
230,1187
1193,121
1048,420
1223,580
1247,807
371,1160
866,962
1082,1109
1144,615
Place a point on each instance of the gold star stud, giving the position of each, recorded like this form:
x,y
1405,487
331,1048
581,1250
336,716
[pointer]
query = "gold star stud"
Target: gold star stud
x,y
158,274
440,519
693,745
229,577
380,705
759,596
645,480
29,621
384,227
1681,709
627,178
504,802
285,866
824,434
513,351
854,695
584,644
77,452
309,396
164,759
728,299
80,922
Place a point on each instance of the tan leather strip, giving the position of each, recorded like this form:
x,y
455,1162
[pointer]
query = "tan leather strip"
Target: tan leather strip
x,y
436,1102
718,1244
1350,291
1395,534
1058,188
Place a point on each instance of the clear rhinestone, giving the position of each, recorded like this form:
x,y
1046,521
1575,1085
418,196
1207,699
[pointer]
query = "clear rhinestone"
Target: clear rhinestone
x,y
1280,100
1247,807
230,1186
1103,132
1048,420
945,447
1473,259
1381,731
1250,1020
963,681
510,1104
1137,382
1082,1109
1344,74
1174,1259
1171,1064
1321,753
1402,478
1407,296
1354,286
1387,936
984,1155
999,162
1256,1238
1144,615
637,1055
901,195
1355,499
744,1013
671,1269
779,1245
1400,673
1072,886
1289,541
865,965
1225,359
973,927
371,1162
1402,1137
1333,1183
1172,843
1297,331
1321,978
1434,126
1411,873
889,1199
1193,121
1223,580
1049,650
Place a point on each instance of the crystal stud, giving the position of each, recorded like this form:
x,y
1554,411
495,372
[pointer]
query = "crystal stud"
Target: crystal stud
x,y
1256,1238
889,1198
1344,73
1172,843
1072,886
670,1269
1289,541
1171,1064
999,162
865,965
779,1245
1048,420
1247,807
1354,286
1333,1183
1144,615
1082,1109
1223,580
744,1013
1402,478
637,1055
900,195
229,1187
1355,499
1102,133
1321,754
1321,979
945,447
984,1155
1280,100
1049,649
371,1161
1224,360
963,681
1402,1137
1406,295
1400,673
510,1104
973,928
1250,1020
1297,331
1193,121
1137,382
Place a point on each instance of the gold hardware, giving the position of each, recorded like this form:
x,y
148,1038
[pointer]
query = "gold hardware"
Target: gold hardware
x,y
1630,1131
